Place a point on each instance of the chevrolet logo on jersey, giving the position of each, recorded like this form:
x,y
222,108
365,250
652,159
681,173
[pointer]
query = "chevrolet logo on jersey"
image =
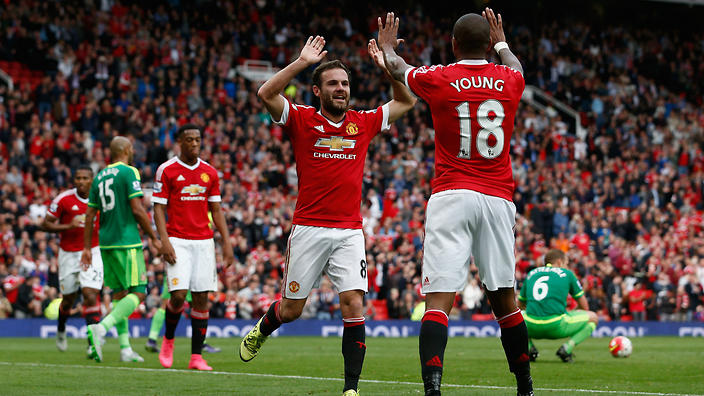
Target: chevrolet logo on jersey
x,y
335,143
193,189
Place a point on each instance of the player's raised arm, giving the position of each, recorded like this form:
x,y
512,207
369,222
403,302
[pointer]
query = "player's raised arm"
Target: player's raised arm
x,y
402,100
498,40
388,41
270,91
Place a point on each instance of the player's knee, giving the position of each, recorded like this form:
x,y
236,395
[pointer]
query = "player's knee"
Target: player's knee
x,y
593,317
89,299
66,305
177,300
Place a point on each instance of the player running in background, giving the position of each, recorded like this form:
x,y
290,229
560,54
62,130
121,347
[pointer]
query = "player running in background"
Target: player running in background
x,y
66,215
186,188
544,299
470,212
330,147
117,194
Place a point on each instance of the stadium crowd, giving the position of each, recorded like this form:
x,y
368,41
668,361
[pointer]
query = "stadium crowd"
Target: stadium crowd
x,y
624,200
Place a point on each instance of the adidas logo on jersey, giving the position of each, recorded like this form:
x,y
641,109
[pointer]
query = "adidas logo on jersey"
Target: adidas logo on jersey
x,y
320,128
74,207
180,178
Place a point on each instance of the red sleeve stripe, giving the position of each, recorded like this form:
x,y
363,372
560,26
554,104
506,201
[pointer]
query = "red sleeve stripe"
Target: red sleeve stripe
x,y
436,315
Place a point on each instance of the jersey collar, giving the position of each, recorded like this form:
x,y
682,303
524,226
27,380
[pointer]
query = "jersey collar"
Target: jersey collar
x,y
189,167
75,192
472,62
335,124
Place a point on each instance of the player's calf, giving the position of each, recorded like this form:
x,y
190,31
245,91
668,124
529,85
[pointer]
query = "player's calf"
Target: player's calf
x,y
514,338
353,351
432,340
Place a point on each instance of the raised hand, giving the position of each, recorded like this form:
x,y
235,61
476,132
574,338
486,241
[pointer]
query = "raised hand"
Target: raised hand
x,y
313,52
377,55
388,32
496,27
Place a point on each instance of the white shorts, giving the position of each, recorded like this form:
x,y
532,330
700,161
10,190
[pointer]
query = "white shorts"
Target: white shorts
x,y
312,251
71,276
464,223
195,268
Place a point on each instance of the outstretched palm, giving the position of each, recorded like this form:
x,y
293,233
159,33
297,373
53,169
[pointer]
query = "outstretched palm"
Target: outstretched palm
x,y
313,52
377,55
496,26
388,32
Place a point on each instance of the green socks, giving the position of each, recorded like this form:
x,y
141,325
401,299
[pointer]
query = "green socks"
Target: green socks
x,y
580,336
121,311
123,333
157,323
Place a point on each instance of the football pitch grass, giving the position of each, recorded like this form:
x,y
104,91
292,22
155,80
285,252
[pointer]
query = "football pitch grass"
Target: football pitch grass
x,y
313,366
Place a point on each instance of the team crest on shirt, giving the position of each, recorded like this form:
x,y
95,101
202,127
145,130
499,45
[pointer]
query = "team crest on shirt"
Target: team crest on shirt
x,y
174,281
204,176
426,282
294,287
352,129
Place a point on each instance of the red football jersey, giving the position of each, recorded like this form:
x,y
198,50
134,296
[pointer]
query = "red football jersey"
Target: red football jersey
x,y
473,104
330,162
65,207
186,191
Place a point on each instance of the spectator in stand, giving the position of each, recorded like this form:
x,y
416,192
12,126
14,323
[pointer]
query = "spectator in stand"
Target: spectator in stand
x,y
637,300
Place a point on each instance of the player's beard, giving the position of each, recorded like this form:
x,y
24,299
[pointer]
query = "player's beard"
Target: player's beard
x,y
334,108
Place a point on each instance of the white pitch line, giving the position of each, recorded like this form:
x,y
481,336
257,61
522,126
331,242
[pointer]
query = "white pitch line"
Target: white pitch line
x,y
300,377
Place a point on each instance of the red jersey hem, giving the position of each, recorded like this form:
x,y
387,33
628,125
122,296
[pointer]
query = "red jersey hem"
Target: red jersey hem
x,y
190,237
473,187
328,223
78,250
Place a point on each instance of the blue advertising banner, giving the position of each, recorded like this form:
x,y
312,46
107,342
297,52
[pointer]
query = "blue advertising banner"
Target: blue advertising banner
x,y
390,328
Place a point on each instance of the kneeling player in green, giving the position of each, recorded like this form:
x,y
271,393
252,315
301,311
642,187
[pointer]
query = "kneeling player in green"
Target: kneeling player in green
x,y
544,301
117,194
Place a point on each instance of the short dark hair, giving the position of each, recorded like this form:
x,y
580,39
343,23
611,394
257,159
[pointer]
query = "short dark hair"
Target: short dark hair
x,y
553,255
184,128
83,167
334,64
471,33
